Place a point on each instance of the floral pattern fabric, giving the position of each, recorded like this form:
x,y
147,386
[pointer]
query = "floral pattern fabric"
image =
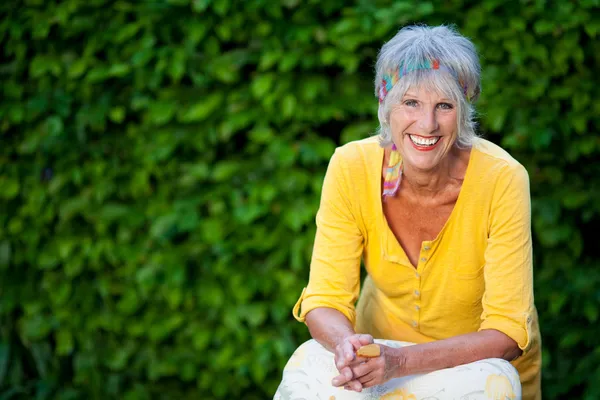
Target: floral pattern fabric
x,y
309,371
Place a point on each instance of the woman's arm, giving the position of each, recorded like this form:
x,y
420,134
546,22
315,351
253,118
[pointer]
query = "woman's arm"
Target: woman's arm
x,y
327,303
428,357
328,326
335,263
457,350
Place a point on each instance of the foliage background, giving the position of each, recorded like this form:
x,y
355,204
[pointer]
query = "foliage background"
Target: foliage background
x,y
161,164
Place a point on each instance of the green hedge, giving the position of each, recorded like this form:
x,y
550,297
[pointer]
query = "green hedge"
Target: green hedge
x,y
161,164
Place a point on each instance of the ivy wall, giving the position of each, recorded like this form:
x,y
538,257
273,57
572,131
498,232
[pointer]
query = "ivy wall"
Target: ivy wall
x,y
161,163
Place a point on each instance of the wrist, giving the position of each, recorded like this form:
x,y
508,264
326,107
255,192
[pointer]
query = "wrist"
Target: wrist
x,y
399,358
338,338
345,334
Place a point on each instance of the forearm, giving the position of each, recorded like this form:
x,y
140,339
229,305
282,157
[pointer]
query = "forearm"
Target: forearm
x,y
328,326
458,350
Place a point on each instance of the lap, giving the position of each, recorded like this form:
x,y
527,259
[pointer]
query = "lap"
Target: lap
x,y
309,372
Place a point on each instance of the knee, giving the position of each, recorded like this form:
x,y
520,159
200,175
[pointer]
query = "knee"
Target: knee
x,y
502,380
306,352
504,368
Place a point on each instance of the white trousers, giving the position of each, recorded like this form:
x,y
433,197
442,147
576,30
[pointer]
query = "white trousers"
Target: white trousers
x,y
309,371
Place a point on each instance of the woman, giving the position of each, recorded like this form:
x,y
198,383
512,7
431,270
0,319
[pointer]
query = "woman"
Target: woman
x,y
441,219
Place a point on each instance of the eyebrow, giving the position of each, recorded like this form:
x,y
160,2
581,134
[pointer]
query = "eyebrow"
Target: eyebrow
x,y
442,100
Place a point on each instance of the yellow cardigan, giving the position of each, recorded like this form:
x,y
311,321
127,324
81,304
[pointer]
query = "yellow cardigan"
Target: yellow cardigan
x,y
477,274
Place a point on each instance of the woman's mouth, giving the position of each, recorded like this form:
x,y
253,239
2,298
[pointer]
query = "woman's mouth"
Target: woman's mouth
x,y
424,143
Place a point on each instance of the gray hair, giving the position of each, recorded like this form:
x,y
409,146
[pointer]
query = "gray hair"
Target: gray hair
x,y
418,45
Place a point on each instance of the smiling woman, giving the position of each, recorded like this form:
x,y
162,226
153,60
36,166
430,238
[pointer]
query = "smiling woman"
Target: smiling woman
x,y
442,221
424,127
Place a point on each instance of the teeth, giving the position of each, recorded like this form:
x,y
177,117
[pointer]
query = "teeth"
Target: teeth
x,y
421,141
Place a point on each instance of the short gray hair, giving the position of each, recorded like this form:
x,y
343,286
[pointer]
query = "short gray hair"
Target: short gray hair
x,y
418,45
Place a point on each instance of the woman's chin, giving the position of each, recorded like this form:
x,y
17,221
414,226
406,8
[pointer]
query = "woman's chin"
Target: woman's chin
x,y
422,162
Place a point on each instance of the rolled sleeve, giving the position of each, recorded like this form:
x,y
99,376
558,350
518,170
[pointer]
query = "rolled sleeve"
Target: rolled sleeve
x,y
334,280
508,304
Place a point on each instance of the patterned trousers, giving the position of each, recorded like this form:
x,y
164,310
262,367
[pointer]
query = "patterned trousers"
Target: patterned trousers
x,y
309,372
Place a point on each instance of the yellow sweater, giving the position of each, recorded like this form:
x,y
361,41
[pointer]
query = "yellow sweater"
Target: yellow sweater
x,y
477,274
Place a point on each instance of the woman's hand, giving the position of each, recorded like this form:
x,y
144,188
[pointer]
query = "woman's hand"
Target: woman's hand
x,y
369,372
377,370
345,358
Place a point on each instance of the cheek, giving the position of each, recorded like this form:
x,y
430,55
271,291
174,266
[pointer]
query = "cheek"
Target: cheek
x,y
399,121
449,121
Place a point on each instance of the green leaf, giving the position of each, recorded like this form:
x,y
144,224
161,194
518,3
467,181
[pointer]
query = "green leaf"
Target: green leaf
x,y
38,67
77,68
64,342
98,74
161,112
590,310
202,109
261,134
201,339
262,84
129,303
5,254
288,106
4,361
200,5
10,188
54,126
117,114
35,327
119,70
161,329
225,170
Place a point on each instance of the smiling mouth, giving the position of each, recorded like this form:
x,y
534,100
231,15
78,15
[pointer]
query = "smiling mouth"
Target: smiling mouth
x,y
424,142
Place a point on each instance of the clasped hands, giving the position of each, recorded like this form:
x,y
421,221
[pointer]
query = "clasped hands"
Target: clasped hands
x,y
358,373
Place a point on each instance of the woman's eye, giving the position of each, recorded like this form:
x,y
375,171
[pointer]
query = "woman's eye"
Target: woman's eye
x,y
445,106
410,103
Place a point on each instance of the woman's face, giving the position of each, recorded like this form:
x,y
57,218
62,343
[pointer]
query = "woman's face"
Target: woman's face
x,y
424,128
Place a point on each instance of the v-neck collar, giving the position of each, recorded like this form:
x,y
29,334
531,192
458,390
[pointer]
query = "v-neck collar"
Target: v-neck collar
x,y
392,250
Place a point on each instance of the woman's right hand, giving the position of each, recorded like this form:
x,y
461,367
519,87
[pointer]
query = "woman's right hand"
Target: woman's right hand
x,y
345,352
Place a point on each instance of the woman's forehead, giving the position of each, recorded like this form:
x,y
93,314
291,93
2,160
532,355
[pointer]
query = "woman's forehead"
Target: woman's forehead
x,y
427,92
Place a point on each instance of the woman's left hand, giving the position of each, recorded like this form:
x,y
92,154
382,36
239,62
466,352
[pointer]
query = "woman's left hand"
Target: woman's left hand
x,y
369,372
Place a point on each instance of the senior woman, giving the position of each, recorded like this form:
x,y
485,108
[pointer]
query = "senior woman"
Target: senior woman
x,y
441,219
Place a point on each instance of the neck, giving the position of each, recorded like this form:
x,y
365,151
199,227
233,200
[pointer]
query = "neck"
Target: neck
x,y
428,182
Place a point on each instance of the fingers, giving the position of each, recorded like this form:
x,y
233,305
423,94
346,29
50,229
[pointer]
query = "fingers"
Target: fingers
x,y
368,376
361,372
369,380
358,361
354,363
354,385
346,361
355,341
369,373
344,354
348,351
360,340
344,377
362,369
365,339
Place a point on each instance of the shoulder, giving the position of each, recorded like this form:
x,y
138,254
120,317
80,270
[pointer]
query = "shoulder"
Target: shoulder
x,y
355,168
495,161
359,153
500,177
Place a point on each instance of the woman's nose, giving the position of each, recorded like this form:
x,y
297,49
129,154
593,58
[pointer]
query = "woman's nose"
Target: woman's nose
x,y
427,121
